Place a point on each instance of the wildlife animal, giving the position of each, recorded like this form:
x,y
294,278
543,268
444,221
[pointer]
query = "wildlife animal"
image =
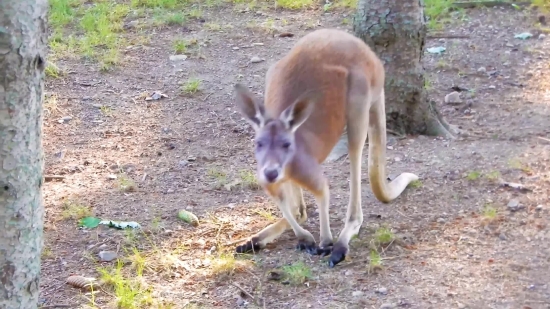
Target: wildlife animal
x,y
328,81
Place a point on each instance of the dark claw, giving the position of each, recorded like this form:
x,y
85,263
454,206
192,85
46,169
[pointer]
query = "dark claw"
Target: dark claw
x,y
251,245
324,251
306,245
337,256
311,248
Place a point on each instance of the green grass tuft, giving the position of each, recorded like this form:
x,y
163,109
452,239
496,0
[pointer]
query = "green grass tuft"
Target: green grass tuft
x,y
297,273
295,4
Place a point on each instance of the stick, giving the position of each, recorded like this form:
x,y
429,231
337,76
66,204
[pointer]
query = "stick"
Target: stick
x,y
470,5
144,176
292,295
53,177
244,291
206,97
236,241
55,306
447,36
543,138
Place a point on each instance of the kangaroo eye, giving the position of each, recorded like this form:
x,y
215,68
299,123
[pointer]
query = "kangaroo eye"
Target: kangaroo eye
x,y
259,144
286,145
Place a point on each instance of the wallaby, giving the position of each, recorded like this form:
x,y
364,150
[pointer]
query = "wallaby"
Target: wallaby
x,y
329,80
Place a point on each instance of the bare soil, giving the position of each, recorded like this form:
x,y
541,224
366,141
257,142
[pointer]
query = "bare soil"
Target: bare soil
x,y
181,151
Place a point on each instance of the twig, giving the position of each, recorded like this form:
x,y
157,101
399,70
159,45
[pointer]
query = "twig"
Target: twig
x,y
447,36
55,306
53,177
292,295
368,260
493,3
244,291
236,241
206,97
399,135
144,176
543,138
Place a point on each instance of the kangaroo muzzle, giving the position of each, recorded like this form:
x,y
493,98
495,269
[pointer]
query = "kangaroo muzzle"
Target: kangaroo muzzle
x,y
271,173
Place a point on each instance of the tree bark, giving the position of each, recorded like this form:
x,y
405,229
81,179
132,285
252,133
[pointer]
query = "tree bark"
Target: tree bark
x,y
396,31
22,59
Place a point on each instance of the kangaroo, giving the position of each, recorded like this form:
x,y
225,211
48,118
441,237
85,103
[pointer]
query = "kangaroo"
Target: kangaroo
x,y
328,81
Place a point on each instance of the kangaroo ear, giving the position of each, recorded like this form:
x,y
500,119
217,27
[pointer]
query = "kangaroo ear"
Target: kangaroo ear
x,y
249,106
297,113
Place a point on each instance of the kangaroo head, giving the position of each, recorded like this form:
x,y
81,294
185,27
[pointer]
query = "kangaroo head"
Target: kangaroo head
x,y
274,137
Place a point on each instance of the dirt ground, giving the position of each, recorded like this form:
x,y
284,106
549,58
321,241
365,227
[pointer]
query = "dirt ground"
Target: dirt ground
x,y
460,239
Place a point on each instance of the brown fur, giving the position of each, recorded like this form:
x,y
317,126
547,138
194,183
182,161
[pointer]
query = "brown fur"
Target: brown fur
x,y
329,79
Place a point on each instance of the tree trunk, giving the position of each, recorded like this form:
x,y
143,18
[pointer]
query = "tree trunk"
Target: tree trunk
x,y
396,31
22,60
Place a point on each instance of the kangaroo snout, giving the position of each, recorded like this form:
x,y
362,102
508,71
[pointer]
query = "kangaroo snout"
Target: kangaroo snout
x,y
271,174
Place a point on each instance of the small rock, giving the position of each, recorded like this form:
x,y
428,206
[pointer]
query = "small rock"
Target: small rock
x,y
492,87
236,48
387,306
397,159
183,163
107,256
382,291
86,98
523,36
539,207
256,59
453,98
357,293
542,36
112,177
65,119
178,57
514,205
436,50
240,301
440,220
482,70
131,24
257,44
501,236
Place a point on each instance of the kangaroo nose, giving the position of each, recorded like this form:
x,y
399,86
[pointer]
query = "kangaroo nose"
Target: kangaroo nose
x,y
271,175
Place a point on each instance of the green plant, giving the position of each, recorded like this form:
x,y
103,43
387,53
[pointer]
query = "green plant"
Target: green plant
x,y
268,215
493,176
297,273
74,210
126,183
294,4
415,184
383,236
227,264
544,5
375,261
105,110
437,12
473,175
191,86
180,46
52,70
249,180
129,294
489,212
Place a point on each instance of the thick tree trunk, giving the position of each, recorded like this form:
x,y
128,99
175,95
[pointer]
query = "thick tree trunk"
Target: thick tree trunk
x,y
22,59
396,31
